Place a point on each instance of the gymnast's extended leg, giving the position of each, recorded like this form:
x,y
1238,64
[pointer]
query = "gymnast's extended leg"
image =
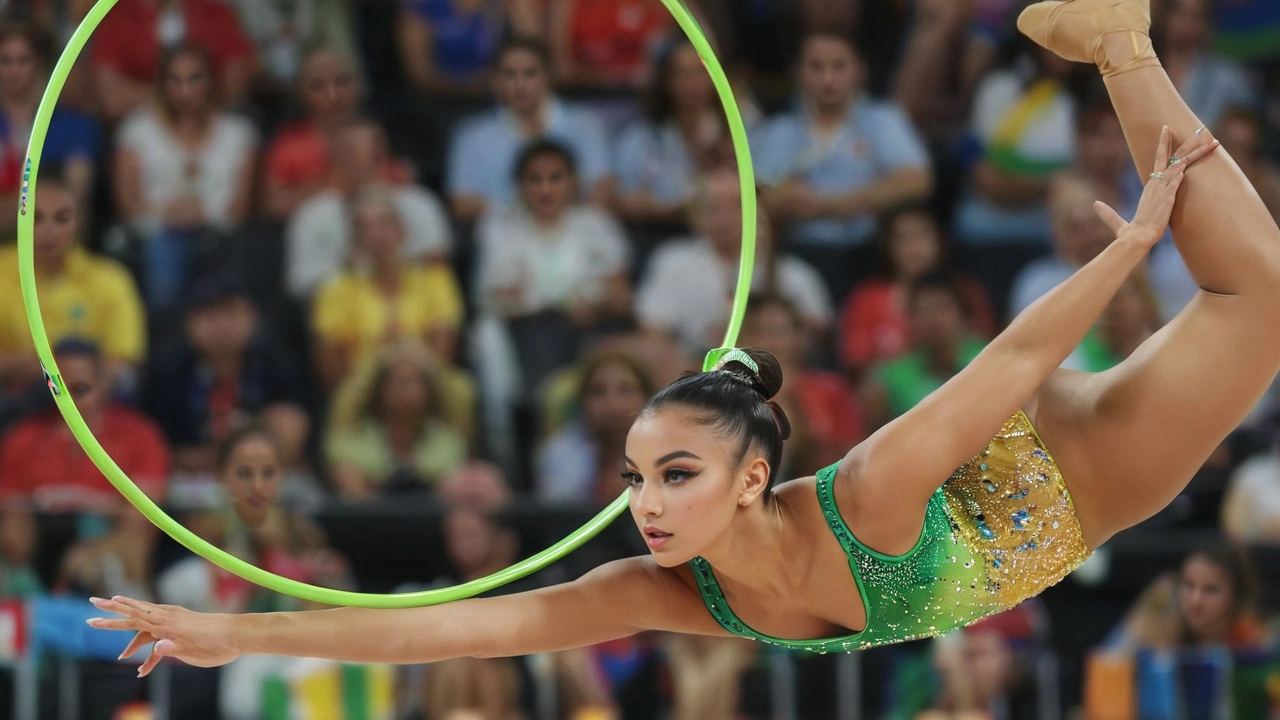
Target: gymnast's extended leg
x,y
1128,440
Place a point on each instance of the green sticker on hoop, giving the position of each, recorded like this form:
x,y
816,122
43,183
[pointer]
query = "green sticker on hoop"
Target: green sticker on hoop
x,y
327,596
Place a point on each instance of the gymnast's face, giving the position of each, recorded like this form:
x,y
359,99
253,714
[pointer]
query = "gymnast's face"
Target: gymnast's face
x,y
681,481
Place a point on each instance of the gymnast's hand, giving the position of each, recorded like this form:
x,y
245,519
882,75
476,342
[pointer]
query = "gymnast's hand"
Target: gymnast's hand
x,y
1152,216
199,639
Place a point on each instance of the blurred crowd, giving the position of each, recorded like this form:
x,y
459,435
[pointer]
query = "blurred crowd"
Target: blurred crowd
x,y
303,254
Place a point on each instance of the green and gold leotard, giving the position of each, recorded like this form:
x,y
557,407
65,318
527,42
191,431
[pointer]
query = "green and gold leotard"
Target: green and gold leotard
x,y
1000,530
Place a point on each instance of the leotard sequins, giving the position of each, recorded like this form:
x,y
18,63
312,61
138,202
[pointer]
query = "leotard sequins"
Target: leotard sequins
x,y
1002,529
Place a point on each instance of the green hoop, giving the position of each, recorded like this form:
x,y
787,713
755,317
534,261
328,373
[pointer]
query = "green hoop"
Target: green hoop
x,y
327,596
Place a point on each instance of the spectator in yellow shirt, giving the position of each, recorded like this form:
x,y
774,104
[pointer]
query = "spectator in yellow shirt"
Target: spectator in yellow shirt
x,y
81,295
380,297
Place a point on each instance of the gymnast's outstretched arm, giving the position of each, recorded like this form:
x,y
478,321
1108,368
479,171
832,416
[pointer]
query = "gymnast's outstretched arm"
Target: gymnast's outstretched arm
x,y
884,483
615,600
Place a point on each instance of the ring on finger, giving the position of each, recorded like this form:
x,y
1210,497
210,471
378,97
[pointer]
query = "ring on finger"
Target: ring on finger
x,y
1156,176
1174,161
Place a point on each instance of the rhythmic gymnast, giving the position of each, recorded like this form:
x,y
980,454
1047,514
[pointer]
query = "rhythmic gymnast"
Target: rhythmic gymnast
x,y
883,547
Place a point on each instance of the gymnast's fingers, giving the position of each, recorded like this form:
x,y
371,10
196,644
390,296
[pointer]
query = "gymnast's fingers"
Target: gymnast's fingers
x,y
112,606
139,640
1162,149
138,605
134,619
158,652
1184,149
120,624
115,605
1198,153
1114,222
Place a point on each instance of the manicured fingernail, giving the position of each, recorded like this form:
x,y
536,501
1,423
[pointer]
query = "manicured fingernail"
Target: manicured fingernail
x,y
96,600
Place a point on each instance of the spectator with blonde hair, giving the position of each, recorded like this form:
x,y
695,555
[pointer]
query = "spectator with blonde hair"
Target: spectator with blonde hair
x,y
687,290
319,235
381,296
1077,235
1251,505
391,427
298,158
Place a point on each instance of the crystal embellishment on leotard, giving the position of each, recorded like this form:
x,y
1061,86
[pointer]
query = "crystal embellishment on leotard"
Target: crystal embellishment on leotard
x,y
980,552
1019,519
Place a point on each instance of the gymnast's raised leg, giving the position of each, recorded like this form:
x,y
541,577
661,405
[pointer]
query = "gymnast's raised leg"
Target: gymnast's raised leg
x,y
1128,440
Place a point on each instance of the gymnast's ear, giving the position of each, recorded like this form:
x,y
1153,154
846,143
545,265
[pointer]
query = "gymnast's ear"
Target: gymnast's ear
x,y
754,481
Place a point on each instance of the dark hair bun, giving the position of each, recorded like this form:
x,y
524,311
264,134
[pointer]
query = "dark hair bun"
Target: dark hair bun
x,y
768,380
784,425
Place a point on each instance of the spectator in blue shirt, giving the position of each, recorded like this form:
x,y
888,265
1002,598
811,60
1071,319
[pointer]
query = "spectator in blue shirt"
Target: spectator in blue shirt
x,y
447,46
682,135
831,165
1209,82
72,142
483,152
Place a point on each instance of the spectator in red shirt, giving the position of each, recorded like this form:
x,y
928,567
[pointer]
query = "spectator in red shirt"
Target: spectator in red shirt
x,y
825,420
127,46
297,165
41,461
873,323
606,43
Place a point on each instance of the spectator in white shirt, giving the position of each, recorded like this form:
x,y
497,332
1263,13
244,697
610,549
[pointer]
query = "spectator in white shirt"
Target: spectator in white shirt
x,y
688,289
1251,507
318,236
183,168
550,252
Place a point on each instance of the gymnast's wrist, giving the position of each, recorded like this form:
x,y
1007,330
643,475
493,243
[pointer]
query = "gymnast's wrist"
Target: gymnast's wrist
x,y
239,632
252,633
1141,236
